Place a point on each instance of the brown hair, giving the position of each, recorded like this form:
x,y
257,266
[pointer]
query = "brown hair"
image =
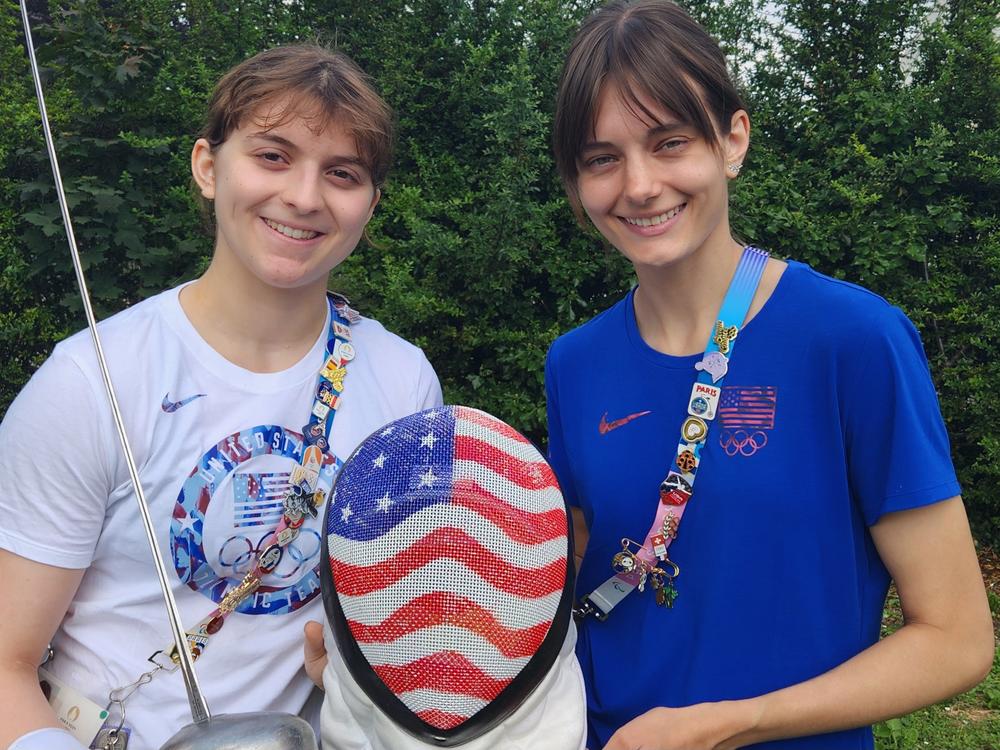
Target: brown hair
x,y
313,82
649,47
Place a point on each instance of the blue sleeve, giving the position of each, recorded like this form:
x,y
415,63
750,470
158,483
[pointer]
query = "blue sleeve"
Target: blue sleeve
x,y
898,455
557,445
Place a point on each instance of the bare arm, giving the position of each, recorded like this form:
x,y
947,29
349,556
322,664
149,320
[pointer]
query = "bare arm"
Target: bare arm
x,y
581,534
944,647
27,630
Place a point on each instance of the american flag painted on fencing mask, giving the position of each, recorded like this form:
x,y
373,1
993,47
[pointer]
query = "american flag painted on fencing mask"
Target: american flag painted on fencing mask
x,y
448,544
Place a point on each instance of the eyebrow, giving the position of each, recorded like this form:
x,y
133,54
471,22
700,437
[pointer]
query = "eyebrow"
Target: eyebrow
x,y
277,139
662,129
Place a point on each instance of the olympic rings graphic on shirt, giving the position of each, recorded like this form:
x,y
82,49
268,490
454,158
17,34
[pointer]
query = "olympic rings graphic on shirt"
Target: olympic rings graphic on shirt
x,y
742,442
244,551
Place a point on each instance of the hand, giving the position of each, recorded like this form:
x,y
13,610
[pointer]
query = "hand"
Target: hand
x,y
704,726
314,652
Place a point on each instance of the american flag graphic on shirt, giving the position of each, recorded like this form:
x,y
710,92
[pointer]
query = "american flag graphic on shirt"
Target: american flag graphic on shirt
x,y
448,546
748,407
258,498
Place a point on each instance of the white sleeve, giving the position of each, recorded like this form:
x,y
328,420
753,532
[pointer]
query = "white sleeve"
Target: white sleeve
x,y
55,479
428,391
47,739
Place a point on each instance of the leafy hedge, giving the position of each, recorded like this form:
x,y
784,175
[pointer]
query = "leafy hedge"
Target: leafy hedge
x,y
874,158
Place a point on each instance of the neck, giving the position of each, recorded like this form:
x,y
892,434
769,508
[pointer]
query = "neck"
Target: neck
x,y
676,305
256,326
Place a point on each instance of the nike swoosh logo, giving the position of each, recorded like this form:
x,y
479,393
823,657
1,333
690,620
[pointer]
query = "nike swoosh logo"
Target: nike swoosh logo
x,y
171,406
605,426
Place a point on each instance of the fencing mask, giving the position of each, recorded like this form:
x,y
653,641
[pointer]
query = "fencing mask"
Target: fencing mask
x,y
448,592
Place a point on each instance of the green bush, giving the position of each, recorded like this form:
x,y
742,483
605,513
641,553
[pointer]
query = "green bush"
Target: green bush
x,y
874,158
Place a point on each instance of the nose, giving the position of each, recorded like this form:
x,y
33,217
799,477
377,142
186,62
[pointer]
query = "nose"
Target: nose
x,y
642,184
301,191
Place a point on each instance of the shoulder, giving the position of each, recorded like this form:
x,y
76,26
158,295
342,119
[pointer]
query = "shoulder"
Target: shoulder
x,y
850,302
843,336
383,347
124,331
846,315
396,375
398,369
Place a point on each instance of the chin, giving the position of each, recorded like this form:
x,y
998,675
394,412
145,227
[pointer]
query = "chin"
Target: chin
x,y
662,258
291,281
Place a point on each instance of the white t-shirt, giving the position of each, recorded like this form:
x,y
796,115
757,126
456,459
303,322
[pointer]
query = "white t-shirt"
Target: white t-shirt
x,y
214,444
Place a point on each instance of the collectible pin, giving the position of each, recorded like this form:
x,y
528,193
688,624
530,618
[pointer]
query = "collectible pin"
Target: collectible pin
x,y
346,351
659,543
312,459
342,331
352,315
336,377
670,524
675,489
324,392
704,400
674,496
626,561
715,364
331,364
661,596
320,409
314,435
694,430
724,336
285,536
623,562
319,497
270,558
698,406
303,478
687,461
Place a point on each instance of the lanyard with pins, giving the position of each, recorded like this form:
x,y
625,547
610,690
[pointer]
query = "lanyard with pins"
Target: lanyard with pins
x,y
303,497
633,569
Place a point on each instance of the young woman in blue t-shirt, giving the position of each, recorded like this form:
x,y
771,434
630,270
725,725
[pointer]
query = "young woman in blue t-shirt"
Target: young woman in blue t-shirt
x,y
809,422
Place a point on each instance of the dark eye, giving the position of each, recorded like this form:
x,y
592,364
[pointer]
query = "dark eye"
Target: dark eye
x,y
672,144
271,156
343,174
600,161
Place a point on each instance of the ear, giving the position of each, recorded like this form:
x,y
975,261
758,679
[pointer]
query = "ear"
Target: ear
x,y
203,167
376,197
737,142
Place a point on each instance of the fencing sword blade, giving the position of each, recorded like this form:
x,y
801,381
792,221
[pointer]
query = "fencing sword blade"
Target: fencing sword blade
x,y
199,708
250,731
260,731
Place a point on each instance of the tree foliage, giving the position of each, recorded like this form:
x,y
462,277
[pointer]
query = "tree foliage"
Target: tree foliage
x,y
874,158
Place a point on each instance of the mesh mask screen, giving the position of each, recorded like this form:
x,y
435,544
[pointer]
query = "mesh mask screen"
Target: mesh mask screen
x,y
448,546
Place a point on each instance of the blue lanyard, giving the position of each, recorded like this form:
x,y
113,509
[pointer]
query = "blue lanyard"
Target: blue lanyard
x,y
330,381
634,568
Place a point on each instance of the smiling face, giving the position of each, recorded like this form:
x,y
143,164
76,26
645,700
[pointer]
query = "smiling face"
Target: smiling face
x,y
652,185
290,203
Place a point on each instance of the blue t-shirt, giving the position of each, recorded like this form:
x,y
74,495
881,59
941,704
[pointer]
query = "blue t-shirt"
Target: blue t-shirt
x,y
828,419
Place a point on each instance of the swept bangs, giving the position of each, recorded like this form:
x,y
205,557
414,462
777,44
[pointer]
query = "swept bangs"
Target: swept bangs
x,y
306,81
651,49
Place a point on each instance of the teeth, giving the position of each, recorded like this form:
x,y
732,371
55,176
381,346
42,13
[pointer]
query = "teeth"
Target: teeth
x,y
295,234
654,220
